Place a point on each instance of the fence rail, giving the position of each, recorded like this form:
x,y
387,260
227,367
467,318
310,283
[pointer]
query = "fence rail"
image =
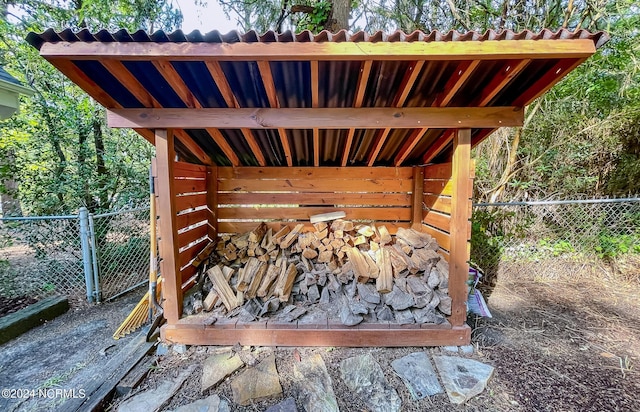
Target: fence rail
x,y
100,256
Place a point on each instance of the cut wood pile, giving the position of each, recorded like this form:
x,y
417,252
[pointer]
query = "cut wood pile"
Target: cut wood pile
x,y
341,271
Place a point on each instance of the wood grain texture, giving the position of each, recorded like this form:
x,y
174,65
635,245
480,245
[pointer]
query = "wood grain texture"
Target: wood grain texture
x,y
463,50
242,227
212,201
169,263
328,198
378,173
191,334
190,201
309,185
417,196
302,213
191,235
325,118
460,199
183,186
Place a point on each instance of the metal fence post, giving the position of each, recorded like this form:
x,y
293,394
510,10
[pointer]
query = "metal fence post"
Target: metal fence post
x,y
94,260
86,252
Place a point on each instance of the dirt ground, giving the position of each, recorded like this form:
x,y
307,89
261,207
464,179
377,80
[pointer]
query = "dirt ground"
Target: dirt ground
x,y
560,340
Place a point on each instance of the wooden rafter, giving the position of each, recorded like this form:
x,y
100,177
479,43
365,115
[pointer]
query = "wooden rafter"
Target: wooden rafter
x,y
193,147
296,51
409,144
253,145
326,118
219,78
285,146
460,76
220,140
437,146
381,137
361,87
80,78
130,82
315,83
172,77
509,71
547,81
267,80
316,146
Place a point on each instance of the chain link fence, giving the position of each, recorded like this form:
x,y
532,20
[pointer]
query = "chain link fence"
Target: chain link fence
x,y
84,256
555,237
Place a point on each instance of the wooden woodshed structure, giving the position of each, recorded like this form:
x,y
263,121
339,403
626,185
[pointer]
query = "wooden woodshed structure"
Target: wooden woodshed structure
x,y
280,126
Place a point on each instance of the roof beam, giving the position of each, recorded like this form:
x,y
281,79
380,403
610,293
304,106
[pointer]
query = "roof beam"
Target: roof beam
x,y
361,87
347,147
267,80
324,118
220,79
381,137
218,137
437,146
408,146
253,145
499,80
419,50
130,82
192,146
316,146
460,76
169,73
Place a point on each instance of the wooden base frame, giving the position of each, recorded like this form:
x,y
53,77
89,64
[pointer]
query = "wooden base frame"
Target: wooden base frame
x,y
260,334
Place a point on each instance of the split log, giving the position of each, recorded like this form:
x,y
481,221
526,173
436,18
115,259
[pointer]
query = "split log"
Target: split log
x,y
273,271
359,264
384,282
309,253
220,284
414,238
256,281
320,226
256,235
385,236
325,217
248,272
241,241
281,234
291,236
267,241
285,283
204,254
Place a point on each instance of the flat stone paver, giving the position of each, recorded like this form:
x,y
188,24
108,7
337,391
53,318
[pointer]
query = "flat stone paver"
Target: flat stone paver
x,y
287,405
217,367
462,378
211,404
315,385
260,381
418,375
153,399
364,376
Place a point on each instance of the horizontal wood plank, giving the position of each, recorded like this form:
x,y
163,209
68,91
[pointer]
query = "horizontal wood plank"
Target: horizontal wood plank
x,y
190,201
198,334
443,238
315,186
324,118
443,170
191,218
438,203
187,273
187,255
193,234
291,51
302,213
443,187
377,173
242,227
189,186
438,220
357,199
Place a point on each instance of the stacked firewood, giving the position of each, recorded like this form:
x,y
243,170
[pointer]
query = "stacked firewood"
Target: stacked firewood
x,y
348,271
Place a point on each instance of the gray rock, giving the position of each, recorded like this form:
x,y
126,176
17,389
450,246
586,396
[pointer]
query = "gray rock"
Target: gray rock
x,y
324,296
217,367
445,303
358,307
425,315
153,399
467,349
462,378
368,293
398,299
450,349
180,348
315,385
348,318
258,382
384,313
363,375
287,405
418,375
434,279
162,349
404,317
313,294
211,404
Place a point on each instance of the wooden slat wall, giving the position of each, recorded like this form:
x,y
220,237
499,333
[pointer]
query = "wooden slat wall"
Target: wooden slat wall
x,y
193,216
281,195
437,203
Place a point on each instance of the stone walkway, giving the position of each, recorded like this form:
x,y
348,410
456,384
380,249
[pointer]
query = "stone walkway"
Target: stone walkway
x,y
253,376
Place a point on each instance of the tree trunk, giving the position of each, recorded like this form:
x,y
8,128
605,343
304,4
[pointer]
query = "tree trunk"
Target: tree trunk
x,y
340,11
101,168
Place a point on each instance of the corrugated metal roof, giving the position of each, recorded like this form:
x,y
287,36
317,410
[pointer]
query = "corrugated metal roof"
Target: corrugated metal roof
x,y
176,82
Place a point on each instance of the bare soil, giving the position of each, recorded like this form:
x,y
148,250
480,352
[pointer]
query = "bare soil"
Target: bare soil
x,y
11,305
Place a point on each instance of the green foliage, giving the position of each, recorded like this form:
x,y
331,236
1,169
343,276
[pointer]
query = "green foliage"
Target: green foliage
x,y
317,19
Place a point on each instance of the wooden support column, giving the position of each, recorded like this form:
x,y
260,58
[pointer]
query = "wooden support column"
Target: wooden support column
x,y
460,206
169,263
417,198
212,201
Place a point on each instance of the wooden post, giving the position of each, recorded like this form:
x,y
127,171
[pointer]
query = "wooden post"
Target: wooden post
x,y
212,201
417,198
169,265
460,206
